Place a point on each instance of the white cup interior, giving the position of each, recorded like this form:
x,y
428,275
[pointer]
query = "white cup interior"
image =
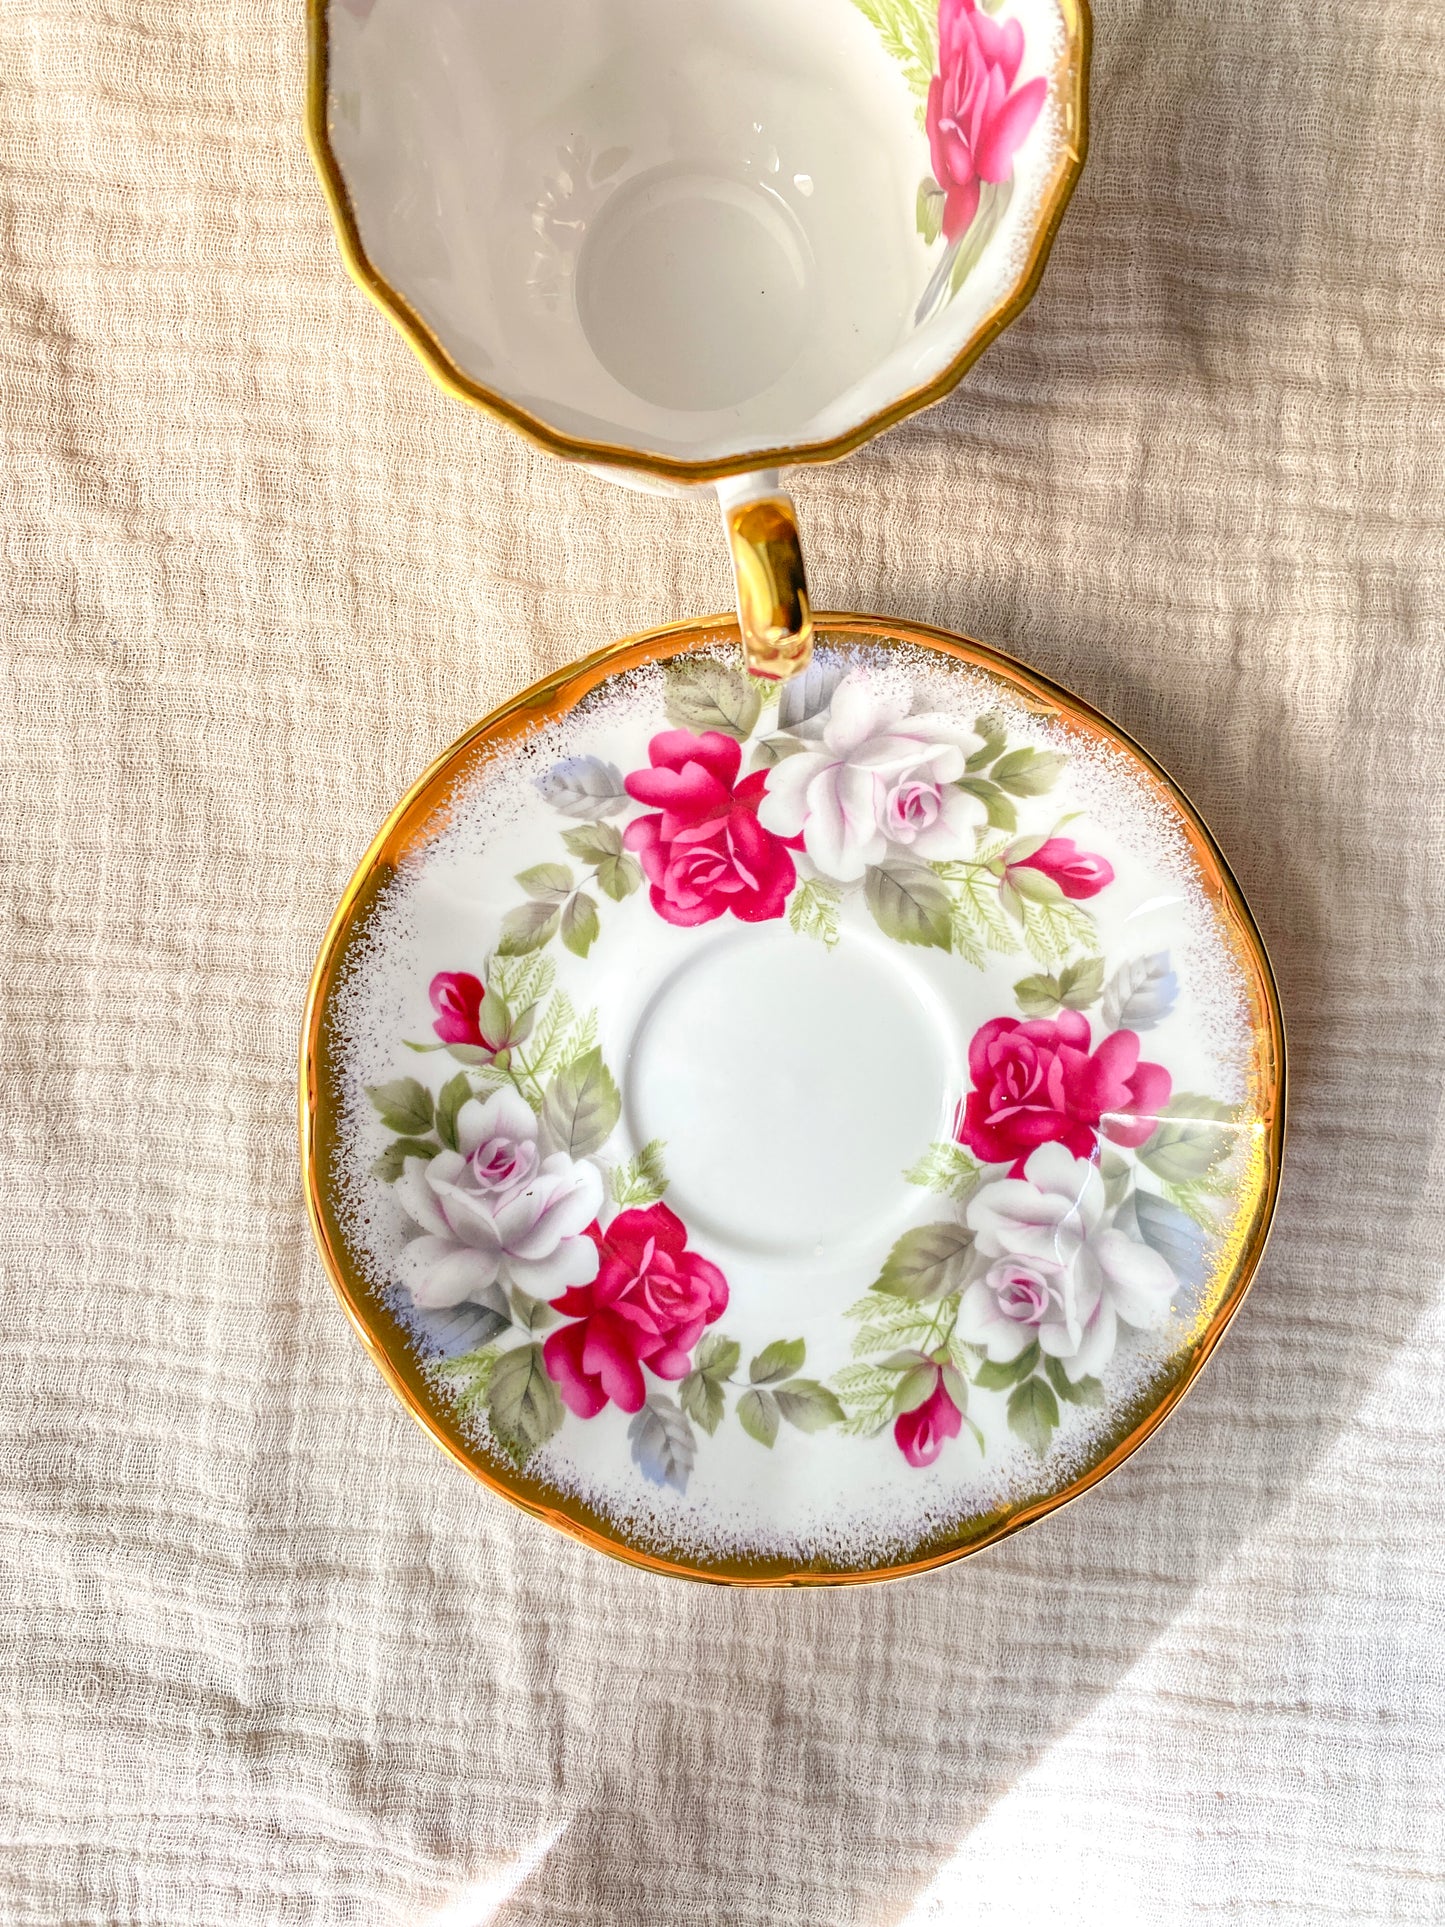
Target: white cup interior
x,y
686,228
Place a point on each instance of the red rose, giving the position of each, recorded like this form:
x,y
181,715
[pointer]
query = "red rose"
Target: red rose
x,y
922,1433
1077,872
456,997
1036,1083
646,1306
706,853
975,125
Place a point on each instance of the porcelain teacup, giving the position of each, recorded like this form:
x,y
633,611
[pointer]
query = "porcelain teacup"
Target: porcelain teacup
x,y
693,241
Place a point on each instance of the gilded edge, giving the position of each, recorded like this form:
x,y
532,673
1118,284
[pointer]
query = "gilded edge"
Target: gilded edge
x,y
1071,78
415,820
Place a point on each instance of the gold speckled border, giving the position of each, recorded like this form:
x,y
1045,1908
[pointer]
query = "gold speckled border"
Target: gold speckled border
x,y
421,815
1071,88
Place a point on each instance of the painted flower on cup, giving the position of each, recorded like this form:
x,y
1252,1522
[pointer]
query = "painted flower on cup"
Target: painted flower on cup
x,y
1037,1081
1078,873
1057,1272
922,1433
646,1306
977,119
706,853
456,997
495,1210
882,780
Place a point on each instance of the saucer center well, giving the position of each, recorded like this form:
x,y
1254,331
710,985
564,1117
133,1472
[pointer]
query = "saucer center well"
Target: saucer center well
x,y
792,1085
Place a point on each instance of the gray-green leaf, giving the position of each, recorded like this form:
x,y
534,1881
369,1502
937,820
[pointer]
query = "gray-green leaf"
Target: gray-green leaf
x,y
450,1099
926,1263
1033,1415
703,695
1038,996
1087,1391
1080,983
717,1356
580,928
403,1105
581,1106
618,876
778,1360
548,882
773,750
527,928
703,1400
1028,772
393,1159
928,213
532,1314
1188,1142
1001,813
758,1416
908,902
522,1402
807,1405
996,1375
594,841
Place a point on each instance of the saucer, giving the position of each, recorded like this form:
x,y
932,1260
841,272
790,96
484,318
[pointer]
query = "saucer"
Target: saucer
x,y
792,1135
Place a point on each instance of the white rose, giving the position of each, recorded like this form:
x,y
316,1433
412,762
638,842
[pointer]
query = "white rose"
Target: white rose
x,y
1057,1272
494,1205
882,778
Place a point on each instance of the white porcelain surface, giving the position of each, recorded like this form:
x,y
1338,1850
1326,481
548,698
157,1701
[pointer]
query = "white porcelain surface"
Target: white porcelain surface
x,y
687,227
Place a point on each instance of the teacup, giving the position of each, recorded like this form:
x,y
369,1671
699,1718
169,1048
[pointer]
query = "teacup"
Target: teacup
x,y
692,241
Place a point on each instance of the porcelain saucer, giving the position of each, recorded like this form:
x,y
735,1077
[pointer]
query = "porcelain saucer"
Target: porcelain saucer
x,y
792,1135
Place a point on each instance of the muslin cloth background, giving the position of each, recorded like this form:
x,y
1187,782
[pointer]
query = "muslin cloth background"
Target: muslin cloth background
x,y
267,1656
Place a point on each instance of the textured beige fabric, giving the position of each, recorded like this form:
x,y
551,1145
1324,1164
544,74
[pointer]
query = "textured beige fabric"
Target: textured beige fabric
x,y
266,1656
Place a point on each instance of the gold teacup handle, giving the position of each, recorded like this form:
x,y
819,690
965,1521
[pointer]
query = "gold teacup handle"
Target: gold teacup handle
x,y
774,613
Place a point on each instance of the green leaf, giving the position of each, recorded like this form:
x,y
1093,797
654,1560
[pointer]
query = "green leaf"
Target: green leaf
x,y
994,198
1191,1140
522,1402
997,1375
1029,772
552,1027
813,910
758,1416
663,1446
995,738
548,882
778,1360
915,1387
450,1099
580,928
926,1263
532,1314
908,902
527,928
703,694
393,1159
1033,885
773,750
494,1021
978,917
1081,983
808,1406
618,876
1087,1391
867,1393
703,1400
404,1105
1038,996
1033,1414
472,1374
581,1106
594,841
641,1180
1001,813
947,1169
928,210
1053,931
716,1356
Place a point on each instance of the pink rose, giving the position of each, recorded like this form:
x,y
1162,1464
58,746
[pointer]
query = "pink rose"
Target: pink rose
x,y
456,997
1077,872
647,1306
1036,1082
706,853
975,125
922,1433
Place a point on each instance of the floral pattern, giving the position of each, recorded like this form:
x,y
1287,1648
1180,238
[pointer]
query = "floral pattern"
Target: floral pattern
x,y
963,60
546,1274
